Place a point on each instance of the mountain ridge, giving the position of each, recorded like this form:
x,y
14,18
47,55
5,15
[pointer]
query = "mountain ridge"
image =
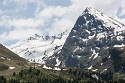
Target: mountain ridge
x,y
38,48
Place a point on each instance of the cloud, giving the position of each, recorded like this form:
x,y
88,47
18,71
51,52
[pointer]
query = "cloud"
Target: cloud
x,y
4,21
1,12
25,23
50,11
60,26
18,6
49,19
18,34
77,7
121,12
21,3
57,2
39,20
108,7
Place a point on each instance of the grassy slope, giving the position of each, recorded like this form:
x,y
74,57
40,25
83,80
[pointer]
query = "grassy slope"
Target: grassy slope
x,y
10,59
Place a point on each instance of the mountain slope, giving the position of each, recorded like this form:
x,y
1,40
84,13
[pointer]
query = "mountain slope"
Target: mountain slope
x,y
90,41
10,61
39,48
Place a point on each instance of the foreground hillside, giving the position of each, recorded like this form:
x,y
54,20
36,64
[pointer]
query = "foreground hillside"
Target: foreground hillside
x,y
10,62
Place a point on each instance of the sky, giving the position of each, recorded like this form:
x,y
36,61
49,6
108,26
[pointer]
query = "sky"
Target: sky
x,y
21,19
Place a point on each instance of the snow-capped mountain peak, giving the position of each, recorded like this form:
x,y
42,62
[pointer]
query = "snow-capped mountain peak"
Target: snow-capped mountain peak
x,y
38,48
101,16
90,40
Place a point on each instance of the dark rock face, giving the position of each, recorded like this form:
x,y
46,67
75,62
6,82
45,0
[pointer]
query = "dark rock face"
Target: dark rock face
x,y
89,41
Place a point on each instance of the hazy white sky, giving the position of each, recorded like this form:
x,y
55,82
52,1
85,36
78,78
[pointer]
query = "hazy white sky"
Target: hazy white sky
x,y
20,19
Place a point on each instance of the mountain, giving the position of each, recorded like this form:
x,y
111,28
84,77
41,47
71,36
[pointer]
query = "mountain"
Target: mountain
x,y
94,43
39,48
10,61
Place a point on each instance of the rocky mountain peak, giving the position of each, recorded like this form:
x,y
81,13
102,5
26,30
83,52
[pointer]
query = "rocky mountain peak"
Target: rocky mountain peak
x,y
90,40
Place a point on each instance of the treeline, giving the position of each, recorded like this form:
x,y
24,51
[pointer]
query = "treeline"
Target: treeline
x,y
34,75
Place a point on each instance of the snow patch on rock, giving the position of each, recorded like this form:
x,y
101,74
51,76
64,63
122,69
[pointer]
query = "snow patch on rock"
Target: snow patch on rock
x,y
45,67
57,68
57,62
90,67
11,67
